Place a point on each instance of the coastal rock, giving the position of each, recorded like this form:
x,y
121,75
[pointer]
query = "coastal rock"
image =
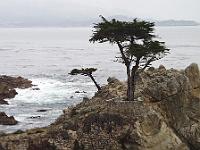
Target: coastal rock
x,y
43,110
5,120
166,118
178,97
35,89
8,85
34,117
78,92
193,73
112,80
159,85
3,102
6,92
15,82
161,67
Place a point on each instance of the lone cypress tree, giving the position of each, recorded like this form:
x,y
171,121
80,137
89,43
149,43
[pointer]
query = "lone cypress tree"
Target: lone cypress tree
x,y
136,44
86,72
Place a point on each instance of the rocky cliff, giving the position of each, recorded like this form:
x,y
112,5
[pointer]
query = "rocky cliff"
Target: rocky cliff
x,y
164,116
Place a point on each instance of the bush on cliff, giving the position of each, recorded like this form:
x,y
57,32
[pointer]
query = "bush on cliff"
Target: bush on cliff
x,y
86,72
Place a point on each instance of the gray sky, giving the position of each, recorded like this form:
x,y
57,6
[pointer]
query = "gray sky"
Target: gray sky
x,y
23,10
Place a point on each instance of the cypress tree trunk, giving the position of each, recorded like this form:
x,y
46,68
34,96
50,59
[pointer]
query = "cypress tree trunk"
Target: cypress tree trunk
x,y
130,95
133,76
133,73
98,87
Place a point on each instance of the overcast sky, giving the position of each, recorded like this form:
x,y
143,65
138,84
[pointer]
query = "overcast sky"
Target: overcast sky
x,y
22,10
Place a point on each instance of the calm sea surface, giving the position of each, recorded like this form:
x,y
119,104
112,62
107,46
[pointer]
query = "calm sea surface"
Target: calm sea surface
x,y
46,55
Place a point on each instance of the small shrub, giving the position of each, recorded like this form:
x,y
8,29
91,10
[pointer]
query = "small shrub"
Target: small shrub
x,y
104,121
41,145
18,132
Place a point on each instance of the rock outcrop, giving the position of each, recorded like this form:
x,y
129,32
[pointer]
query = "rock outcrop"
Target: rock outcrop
x,y
5,120
166,116
8,85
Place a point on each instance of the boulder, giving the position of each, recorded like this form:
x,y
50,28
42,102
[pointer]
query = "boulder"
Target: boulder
x,y
15,82
159,85
42,110
35,89
8,85
5,120
3,102
113,80
193,73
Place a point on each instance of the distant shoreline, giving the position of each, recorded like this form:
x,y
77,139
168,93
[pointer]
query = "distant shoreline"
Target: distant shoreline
x,y
61,27
89,23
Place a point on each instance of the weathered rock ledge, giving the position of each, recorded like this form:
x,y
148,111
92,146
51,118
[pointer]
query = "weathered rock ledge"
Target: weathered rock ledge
x,y
5,120
8,85
7,91
166,116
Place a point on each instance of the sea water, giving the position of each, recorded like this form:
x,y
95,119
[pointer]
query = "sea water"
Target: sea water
x,y
46,56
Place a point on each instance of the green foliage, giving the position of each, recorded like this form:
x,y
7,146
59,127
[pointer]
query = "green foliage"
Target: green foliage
x,y
135,39
86,72
83,71
121,31
136,43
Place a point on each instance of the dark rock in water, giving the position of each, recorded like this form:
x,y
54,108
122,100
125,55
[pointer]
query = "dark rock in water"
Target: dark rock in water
x,y
5,120
15,82
3,102
35,117
42,110
36,89
8,85
80,92
6,92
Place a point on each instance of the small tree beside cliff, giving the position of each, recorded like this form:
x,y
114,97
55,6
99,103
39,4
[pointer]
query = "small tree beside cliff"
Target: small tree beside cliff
x,y
86,72
136,44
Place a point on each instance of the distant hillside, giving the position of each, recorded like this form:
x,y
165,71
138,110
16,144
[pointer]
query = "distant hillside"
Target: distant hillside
x,y
86,22
177,23
160,23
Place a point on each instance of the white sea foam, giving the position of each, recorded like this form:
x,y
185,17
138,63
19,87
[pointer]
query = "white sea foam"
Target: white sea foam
x,y
50,91
53,96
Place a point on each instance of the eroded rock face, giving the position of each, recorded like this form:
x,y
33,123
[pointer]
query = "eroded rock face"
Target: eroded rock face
x,y
5,120
193,74
178,99
8,85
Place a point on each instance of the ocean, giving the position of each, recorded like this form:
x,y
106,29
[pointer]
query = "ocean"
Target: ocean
x,y
46,56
